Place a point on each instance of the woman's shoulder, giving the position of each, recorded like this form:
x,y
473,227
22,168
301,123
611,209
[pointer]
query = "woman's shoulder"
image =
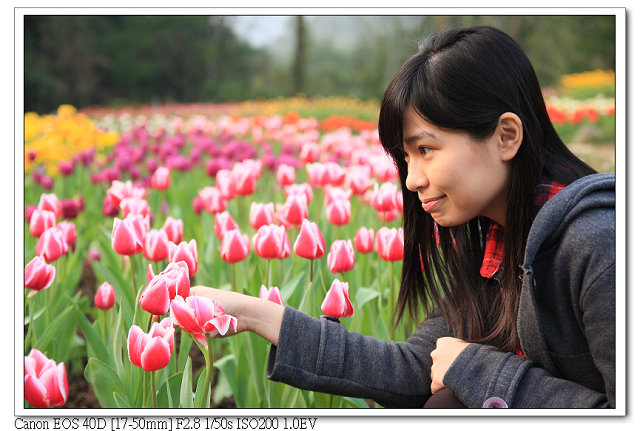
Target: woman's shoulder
x,y
582,215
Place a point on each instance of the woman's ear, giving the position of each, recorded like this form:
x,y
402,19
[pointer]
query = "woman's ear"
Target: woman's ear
x,y
509,135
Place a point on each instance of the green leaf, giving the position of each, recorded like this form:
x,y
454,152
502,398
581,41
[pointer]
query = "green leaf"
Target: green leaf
x,y
175,383
366,294
186,387
203,393
357,403
292,286
52,329
120,402
104,381
94,340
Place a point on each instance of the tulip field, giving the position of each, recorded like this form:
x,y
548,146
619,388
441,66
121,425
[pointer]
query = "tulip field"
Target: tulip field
x,y
127,209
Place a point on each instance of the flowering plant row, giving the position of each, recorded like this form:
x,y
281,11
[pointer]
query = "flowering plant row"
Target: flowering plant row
x,y
273,209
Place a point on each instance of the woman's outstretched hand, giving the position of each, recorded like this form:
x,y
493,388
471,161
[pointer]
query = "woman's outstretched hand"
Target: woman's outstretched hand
x,y
254,314
446,351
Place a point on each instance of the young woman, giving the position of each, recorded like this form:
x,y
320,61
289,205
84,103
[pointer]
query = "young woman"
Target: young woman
x,y
515,235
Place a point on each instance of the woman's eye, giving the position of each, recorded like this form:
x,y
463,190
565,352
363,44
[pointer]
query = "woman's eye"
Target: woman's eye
x,y
424,150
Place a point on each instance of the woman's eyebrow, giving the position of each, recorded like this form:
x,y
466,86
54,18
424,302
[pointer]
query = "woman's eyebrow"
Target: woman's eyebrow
x,y
413,138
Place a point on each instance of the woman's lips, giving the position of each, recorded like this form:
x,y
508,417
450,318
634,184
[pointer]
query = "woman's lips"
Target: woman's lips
x,y
430,204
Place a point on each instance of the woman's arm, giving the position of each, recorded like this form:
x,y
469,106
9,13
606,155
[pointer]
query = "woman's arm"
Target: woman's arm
x,y
253,314
321,355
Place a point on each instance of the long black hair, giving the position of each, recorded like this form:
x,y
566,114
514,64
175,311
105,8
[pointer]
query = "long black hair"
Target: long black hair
x,y
465,79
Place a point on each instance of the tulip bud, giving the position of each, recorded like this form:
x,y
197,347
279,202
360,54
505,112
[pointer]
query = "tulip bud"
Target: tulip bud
x,y
52,244
127,236
261,214
186,252
226,184
155,297
156,245
272,294
234,246
363,240
224,222
272,242
134,205
339,212
212,200
45,382
390,244
68,229
295,209
50,202
286,175
337,302
384,197
38,275
310,242
41,220
151,351
295,189
161,179
341,257
174,228
105,297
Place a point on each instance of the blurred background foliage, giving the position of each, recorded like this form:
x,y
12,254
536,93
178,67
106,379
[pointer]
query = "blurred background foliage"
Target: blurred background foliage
x,y
118,60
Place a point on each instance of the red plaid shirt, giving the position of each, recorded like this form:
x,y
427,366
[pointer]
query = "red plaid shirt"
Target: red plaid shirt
x,y
494,251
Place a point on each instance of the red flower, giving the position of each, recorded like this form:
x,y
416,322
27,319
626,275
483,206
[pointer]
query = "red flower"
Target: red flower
x,y
161,178
38,275
337,302
186,252
235,246
341,257
105,297
45,382
272,242
310,242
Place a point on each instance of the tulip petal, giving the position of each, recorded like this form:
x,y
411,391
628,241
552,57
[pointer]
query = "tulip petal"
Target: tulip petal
x,y
35,392
156,355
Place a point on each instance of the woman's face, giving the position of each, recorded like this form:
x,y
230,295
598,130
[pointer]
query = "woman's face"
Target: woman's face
x,y
456,177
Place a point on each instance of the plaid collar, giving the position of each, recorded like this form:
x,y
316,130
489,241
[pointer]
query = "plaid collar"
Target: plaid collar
x,y
494,250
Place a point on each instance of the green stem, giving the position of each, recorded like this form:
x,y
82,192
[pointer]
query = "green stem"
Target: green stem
x,y
154,401
209,375
311,271
133,275
232,276
28,337
269,273
166,384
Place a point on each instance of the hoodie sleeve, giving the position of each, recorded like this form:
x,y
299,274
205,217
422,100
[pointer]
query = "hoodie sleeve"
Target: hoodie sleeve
x,y
321,355
481,372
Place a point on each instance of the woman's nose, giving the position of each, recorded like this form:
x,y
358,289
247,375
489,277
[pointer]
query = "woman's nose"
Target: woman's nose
x,y
416,178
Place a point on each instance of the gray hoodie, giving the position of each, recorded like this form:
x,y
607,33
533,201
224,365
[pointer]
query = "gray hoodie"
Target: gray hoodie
x,y
566,326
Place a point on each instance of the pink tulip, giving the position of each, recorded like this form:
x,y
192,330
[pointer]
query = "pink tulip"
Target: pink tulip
x,y
335,174
108,209
174,228
341,257
161,178
363,240
212,200
337,302
235,246
68,229
310,242
390,244
45,382
272,294
200,315
261,214
336,193
120,191
384,197
309,152
151,351
134,206
390,215
272,242
224,222
70,208
383,168
316,174
50,202
286,175
245,174
296,209
52,244
41,220
339,212
176,278
127,236
155,297
105,297
296,189
28,212
38,275
197,205
226,184
358,181
186,252
156,245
